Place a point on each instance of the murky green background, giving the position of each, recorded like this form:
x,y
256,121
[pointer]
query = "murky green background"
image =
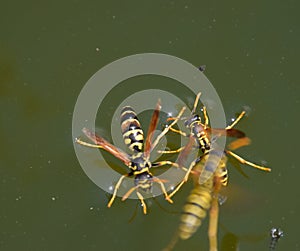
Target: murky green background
x,y
47,53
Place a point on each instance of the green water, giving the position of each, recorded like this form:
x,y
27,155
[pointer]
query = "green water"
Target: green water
x,y
47,53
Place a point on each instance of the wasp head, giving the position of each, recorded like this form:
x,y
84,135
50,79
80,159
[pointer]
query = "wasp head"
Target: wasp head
x,y
191,120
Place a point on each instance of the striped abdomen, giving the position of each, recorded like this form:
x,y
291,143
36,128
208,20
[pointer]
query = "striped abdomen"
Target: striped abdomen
x,y
213,164
195,209
131,129
199,199
222,171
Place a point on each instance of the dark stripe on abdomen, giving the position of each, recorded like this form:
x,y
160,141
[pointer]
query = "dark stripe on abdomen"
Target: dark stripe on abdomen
x,y
194,211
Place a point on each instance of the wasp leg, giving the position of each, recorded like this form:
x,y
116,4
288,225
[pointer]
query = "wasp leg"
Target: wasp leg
x,y
172,151
116,189
143,202
167,162
196,102
141,198
214,217
206,120
242,114
213,226
178,131
158,138
184,180
157,180
243,161
126,195
162,163
172,243
79,141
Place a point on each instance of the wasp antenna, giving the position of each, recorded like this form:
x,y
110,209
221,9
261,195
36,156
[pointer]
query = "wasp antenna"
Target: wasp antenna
x,y
196,102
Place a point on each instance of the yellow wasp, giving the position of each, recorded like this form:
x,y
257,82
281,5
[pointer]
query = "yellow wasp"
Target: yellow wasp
x,y
200,137
138,161
204,195
212,174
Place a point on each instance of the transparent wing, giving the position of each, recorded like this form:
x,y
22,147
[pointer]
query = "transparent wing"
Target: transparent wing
x,y
104,144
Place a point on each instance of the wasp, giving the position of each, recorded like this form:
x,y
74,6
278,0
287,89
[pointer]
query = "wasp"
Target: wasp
x,y
204,195
212,174
200,197
200,137
139,160
200,133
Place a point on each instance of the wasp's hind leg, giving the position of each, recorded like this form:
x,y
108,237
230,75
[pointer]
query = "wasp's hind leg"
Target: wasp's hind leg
x,y
243,161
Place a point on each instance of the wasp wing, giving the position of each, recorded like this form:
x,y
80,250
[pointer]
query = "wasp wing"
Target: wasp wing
x,y
245,141
104,144
152,127
235,133
186,150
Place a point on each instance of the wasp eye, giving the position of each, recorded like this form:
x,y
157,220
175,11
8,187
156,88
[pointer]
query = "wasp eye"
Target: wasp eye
x,y
196,117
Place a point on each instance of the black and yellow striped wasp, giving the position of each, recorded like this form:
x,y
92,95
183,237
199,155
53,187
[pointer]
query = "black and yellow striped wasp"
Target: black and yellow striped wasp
x,y
138,161
209,172
212,164
200,199
205,194
200,137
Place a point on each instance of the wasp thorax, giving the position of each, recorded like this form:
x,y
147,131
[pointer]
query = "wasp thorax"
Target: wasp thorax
x,y
139,163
